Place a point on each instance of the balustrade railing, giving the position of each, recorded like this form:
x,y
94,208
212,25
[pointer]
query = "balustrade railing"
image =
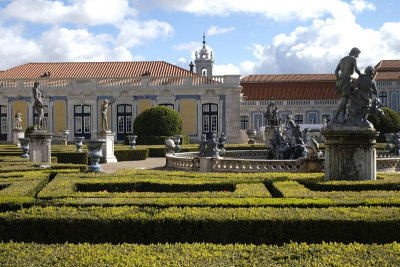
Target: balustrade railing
x,y
142,81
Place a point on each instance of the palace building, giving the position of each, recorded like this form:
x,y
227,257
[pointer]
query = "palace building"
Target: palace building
x,y
310,98
75,91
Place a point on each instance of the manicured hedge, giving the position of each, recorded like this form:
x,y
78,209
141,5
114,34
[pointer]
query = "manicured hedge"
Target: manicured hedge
x,y
131,154
215,225
157,140
199,254
71,157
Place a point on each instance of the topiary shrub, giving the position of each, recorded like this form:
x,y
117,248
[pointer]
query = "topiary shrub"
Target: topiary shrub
x,y
390,123
158,121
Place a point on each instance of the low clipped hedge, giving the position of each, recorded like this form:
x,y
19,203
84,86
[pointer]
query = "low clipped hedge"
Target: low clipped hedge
x,y
131,154
199,254
157,140
71,157
215,225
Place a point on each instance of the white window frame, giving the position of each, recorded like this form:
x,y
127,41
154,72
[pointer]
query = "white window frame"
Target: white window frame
x,y
78,124
86,122
206,124
121,118
128,124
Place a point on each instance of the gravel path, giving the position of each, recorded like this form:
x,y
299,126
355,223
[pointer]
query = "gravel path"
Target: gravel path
x,y
147,164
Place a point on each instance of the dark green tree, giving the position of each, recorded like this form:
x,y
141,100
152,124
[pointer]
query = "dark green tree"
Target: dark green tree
x,y
390,123
158,121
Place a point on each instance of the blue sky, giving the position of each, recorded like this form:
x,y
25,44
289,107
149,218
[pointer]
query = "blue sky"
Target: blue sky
x,y
248,37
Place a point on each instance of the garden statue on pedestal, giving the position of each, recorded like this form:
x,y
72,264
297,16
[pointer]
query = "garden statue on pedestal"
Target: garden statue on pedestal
x,y
18,121
38,105
350,143
104,120
271,116
346,66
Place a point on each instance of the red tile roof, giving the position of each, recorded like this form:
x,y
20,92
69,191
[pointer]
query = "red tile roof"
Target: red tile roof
x,y
290,87
387,70
289,78
95,70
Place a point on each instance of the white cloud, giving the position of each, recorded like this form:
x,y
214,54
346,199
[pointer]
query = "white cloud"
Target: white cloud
x,y
282,10
187,46
361,5
182,60
58,44
226,69
133,32
319,47
86,12
214,30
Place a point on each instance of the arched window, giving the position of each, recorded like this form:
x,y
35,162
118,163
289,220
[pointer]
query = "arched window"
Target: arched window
x,y
204,72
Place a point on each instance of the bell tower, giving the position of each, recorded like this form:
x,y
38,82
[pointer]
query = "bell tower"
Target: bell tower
x,y
204,60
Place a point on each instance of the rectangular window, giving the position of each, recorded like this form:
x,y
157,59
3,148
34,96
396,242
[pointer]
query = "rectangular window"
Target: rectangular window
x,y
45,109
383,98
214,120
244,122
86,109
206,108
128,126
3,110
78,124
128,109
121,124
214,108
206,124
44,121
298,119
327,117
78,109
86,124
3,125
120,109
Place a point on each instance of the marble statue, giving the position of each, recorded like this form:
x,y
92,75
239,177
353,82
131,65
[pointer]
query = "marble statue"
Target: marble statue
x,y
38,104
213,146
347,66
361,103
271,116
18,121
104,109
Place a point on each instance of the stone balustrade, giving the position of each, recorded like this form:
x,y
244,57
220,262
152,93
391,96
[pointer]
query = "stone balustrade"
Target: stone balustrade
x,y
136,82
253,161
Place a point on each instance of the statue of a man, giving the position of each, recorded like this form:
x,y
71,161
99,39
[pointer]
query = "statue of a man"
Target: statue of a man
x,y
104,120
347,66
38,104
18,121
361,101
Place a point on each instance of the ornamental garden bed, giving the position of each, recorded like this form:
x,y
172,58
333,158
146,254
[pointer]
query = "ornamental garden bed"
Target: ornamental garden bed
x,y
226,218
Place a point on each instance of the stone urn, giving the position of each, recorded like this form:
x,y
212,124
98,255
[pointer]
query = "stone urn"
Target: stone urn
x,y
177,142
132,141
25,147
252,134
78,143
64,135
389,139
95,148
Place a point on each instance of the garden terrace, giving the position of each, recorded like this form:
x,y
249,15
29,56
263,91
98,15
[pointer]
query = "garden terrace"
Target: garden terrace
x,y
193,218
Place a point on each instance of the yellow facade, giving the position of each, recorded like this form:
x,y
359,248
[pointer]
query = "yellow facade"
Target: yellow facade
x,y
188,113
144,104
100,103
60,116
21,106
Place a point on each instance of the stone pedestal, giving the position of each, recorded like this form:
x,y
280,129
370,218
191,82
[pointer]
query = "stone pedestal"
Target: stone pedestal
x,y
18,133
108,147
350,153
268,134
206,164
40,146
